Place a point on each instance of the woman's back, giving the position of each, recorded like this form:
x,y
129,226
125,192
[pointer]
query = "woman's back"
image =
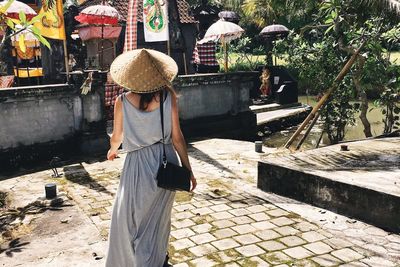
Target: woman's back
x,y
143,128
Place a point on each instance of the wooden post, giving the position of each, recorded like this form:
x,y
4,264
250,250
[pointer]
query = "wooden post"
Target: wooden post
x,y
66,59
325,97
184,62
225,54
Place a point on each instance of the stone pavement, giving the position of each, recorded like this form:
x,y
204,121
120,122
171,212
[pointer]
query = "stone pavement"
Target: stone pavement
x,y
226,222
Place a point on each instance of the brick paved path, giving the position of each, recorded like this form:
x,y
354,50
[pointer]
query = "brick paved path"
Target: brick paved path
x,y
229,222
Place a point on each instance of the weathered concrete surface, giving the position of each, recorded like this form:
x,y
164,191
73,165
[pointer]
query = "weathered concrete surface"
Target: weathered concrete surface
x,y
30,119
226,222
40,122
271,107
284,113
363,182
216,105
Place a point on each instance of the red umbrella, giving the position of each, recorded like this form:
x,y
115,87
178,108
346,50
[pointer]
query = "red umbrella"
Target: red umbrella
x,y
16,7
99,14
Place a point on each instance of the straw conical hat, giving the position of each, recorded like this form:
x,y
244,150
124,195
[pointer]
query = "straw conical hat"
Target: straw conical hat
x,y
143,70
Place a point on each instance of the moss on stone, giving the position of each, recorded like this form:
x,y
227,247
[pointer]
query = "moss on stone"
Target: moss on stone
x,y
179,256
248,263
181,196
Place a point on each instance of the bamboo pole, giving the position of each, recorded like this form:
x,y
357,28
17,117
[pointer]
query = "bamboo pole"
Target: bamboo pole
x,y
66,59
325,97
225,54
308,131
319,139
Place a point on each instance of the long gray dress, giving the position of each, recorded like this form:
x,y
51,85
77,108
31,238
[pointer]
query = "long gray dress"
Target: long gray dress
x,y
141,217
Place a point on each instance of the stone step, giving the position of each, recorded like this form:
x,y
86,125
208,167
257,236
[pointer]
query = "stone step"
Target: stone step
x,y
363,183
272,106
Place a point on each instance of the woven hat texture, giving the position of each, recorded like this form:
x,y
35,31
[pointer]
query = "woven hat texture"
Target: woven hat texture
x,y
143,70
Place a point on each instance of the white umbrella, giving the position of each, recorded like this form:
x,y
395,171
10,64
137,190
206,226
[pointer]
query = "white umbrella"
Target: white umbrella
x,y
223,31
16,7
30,39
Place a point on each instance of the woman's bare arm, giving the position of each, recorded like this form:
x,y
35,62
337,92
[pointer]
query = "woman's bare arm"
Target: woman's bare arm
x,y
179,141
117,134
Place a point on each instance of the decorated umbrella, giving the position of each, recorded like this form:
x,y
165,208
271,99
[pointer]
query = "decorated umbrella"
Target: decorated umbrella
x,y
13,12
229,16
274,31
16,7
270,34
99,15
30,51
224,32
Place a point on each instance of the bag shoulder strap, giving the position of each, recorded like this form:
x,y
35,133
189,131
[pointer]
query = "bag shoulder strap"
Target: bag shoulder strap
x,y
164,159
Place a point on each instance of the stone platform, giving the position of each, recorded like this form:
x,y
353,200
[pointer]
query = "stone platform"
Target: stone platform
x,y
363,182
226,222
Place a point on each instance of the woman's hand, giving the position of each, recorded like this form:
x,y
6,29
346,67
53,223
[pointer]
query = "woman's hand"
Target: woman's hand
x,y
111,155
194,182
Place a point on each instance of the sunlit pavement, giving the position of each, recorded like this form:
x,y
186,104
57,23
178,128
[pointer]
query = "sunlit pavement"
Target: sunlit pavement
x,y
226,222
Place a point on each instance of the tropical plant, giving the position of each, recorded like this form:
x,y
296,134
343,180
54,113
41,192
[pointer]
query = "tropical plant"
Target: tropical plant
x,y
19,27
323,48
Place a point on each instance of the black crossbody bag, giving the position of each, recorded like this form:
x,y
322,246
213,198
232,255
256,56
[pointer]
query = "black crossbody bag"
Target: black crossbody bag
x,y
171,176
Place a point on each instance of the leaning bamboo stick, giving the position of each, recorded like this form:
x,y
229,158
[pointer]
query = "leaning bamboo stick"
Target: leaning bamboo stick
x,y
308,131
325,97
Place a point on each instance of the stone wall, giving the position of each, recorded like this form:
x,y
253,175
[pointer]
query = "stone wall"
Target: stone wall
x,y
40,122
217,104
36,115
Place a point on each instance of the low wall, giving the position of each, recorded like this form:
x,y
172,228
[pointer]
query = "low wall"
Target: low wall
x,y
217,104
37,115
40,122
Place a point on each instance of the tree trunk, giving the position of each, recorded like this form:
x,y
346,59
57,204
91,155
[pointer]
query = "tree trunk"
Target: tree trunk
x,y
364,100
356,79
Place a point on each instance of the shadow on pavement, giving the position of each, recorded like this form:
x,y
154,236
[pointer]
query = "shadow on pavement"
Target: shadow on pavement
x,y
78,174
13,247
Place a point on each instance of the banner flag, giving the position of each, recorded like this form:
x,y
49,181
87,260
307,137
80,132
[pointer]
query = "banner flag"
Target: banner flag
x,y
51,25
131,26
155,20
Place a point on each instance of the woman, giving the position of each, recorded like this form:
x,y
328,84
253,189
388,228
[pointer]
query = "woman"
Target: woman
x,y
141,217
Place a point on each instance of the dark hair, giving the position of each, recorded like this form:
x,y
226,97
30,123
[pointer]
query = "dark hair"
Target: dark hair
x,y
146,98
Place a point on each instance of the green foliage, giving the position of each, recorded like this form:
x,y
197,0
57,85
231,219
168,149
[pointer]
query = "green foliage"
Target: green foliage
x,y
339,112
242,57
21,27
318,54
389,100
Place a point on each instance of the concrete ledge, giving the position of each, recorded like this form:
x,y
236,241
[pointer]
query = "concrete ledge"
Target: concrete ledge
x,y
240,126
272,107
344,195
30,156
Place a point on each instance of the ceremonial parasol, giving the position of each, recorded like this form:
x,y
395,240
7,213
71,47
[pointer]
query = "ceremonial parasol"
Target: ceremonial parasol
x,y
31,51
271,33
223,31
274,31
16,7
99,15
229,16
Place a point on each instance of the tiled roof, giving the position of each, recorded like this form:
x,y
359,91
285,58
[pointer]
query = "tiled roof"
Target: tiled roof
x,y
184,12
122,7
